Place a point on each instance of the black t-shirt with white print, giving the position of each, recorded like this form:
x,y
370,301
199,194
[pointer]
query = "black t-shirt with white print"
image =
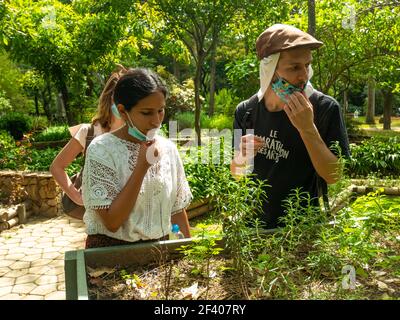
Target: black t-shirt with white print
x,y
284,161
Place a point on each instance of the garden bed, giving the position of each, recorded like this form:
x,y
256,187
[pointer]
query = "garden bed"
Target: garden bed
x,y
317,262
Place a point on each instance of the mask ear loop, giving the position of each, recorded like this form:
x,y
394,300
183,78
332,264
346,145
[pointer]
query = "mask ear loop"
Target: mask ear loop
x,y
115,111
309,89
310,72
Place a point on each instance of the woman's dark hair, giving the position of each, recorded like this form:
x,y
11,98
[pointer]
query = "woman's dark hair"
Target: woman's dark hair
x,y
135,85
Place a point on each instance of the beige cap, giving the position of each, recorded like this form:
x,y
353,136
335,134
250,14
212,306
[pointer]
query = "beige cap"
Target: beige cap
x,y
280,37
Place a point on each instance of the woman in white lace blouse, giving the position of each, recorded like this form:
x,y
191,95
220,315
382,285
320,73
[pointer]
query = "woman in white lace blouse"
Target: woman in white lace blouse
x,y
134,185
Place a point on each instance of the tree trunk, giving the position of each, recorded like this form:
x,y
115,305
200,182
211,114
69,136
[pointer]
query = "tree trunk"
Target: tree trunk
x,y
176,70
387,108
345,103
371,102
37,103
65,99
197,102
89,86
46,101
213,70
311,17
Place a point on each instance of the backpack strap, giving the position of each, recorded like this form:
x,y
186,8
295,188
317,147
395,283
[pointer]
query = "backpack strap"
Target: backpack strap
x,y
248,119
89,137
322,187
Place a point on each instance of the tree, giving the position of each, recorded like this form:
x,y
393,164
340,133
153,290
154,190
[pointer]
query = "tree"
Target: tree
x,y
197,24
346,31
66,43
370,116
311,17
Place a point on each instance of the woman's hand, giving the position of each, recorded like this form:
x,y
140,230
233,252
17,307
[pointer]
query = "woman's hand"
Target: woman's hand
x,y
75,195
148,154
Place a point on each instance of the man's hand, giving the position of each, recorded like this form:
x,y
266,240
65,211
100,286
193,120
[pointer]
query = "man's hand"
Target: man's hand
x,y
250,144
248,148
300,112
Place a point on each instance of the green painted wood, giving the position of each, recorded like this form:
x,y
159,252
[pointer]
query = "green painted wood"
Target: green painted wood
x,y
71,289
81,283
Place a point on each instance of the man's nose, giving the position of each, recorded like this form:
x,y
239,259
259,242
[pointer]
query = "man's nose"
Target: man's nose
x,y
303,75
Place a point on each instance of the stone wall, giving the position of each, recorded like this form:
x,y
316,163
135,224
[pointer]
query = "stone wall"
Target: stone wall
x,y
37,188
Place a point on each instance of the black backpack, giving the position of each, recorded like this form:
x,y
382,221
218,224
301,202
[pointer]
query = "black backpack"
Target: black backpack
x,y
248,114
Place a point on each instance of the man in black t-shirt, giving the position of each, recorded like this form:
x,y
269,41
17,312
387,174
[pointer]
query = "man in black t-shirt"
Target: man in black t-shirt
x,y
294,125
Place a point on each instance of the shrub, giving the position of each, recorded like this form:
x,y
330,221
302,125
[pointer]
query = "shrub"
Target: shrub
x,y
225,102
5,105
41,161
55,133
243,75
221,122
185,120
377,155
39,123
6,141
180,96
16,124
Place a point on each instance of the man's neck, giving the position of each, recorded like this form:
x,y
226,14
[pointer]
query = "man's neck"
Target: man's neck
x,y
272,102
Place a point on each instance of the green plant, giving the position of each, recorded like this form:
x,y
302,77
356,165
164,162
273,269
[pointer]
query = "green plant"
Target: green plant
x,y
54,133
225,102
203,248
21,156
6,141
185,120
39,123
239,204
202,174
379,155
16,124
243,75
220,122
181,96
5,104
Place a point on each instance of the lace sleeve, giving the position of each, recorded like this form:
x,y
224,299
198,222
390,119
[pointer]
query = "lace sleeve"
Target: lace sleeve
x,y
100,179
183,193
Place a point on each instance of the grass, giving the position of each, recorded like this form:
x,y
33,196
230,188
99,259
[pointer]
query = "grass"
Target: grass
x,y
395,123
381,133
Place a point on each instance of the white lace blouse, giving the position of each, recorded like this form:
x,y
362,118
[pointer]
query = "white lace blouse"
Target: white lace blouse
x,y
109,163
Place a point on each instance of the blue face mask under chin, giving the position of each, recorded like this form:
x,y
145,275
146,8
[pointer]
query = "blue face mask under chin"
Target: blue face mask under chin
x,y
283,88
136,133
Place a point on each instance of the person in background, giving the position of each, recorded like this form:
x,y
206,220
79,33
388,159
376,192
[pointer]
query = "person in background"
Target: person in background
x,y
104,121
